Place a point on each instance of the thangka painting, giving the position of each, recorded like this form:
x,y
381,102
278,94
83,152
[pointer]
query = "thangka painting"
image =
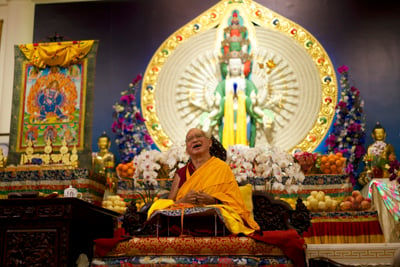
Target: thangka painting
x,y
53,98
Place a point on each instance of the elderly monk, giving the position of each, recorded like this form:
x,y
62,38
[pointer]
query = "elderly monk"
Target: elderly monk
x,y
207,180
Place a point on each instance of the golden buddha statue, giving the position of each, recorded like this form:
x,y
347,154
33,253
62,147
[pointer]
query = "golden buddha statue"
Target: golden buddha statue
x,y
379,135
2,158
378,156
103,158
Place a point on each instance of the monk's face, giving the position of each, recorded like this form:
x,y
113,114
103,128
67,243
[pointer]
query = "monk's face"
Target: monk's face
x,y
197,143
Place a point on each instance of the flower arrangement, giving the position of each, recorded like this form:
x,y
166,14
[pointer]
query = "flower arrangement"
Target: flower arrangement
x,y
175,158
244,161
375,159
272,162
153,164
394,170
148,164
348,134
306,160
131,132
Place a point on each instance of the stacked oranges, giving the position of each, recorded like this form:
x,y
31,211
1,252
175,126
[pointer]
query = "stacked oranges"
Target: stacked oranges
x,y
125,170
333,163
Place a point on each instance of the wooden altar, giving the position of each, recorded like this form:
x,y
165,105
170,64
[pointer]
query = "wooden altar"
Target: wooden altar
x,y
50,232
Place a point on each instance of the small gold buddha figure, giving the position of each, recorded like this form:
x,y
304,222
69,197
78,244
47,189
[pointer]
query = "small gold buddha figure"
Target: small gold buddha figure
x,y
2,158
103,158
378,156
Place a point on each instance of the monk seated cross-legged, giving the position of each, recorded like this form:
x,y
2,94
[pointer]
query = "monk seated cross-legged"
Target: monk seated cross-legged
x,y
206,200
207,183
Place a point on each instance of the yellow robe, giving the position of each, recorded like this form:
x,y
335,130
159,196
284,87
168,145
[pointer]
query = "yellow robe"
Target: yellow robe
x,y
216,179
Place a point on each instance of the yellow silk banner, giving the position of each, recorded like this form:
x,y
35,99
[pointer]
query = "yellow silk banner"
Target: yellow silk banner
x,y
61,54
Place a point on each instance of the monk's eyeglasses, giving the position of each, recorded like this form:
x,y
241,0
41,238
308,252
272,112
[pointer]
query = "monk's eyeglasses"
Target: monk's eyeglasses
x,y
192,137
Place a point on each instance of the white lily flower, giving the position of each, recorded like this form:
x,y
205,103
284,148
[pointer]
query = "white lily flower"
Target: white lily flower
x,y
278,186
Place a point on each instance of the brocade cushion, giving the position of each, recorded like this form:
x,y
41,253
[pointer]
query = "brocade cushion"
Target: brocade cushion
x,y
220,246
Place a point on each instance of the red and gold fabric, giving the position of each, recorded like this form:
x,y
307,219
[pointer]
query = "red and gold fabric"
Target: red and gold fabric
x,y
274,245
344,227
219,246
190,261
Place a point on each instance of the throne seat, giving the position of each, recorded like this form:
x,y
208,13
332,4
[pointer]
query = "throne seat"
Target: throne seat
x,y
146,247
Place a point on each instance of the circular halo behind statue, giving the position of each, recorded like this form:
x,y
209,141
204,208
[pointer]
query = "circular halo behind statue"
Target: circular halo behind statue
x,y
293,74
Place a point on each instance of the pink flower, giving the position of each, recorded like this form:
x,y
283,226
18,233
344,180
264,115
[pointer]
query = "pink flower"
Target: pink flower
x,y
139,117
148,139
331,140
343,69
341,104
360,150
114,126
394,169
354,127
138,78
127,98
131,97
349,168
355,91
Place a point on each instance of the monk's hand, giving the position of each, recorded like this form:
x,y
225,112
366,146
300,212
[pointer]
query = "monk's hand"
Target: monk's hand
x,y
204,198
190,197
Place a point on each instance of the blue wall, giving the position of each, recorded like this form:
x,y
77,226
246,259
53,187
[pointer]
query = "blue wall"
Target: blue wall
x,y
362,34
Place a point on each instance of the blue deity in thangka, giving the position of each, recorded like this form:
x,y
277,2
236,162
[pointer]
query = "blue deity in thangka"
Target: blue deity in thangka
x,y
50,99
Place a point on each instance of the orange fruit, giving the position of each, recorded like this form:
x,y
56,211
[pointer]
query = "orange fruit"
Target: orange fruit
x,y
339,163
339,154
324,159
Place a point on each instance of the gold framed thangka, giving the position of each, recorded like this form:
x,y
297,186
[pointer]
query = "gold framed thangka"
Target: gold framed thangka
x,y
53,99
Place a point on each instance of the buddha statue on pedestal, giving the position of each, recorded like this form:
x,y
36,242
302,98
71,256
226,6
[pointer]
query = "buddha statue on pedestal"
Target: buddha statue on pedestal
x,y
103,159
378,156
2,159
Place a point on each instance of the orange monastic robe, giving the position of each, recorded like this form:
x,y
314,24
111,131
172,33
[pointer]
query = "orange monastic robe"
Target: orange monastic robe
x,y
216,179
